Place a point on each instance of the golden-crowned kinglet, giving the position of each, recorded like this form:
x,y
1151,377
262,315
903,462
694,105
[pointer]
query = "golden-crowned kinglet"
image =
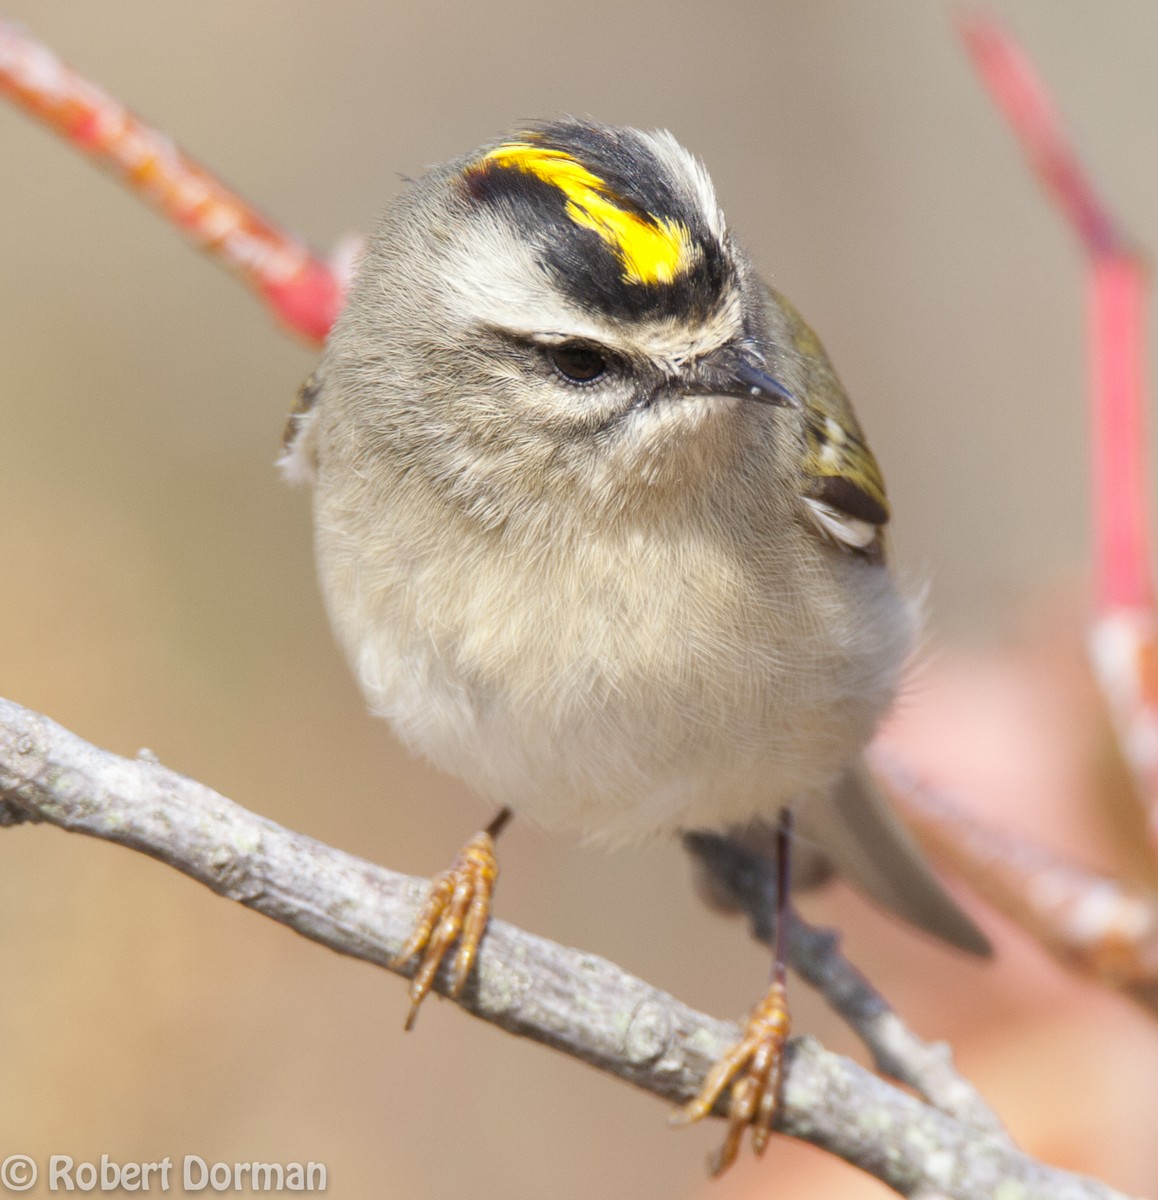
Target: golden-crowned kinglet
x,y
596,524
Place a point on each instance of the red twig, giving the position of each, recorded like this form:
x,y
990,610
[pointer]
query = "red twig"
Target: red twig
x,y
1124,632
1117,320
1098,926
1026,104
1117,284
303,291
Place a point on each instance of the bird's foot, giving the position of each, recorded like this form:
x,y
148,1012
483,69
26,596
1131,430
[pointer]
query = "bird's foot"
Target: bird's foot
x,y
457,908
753,1068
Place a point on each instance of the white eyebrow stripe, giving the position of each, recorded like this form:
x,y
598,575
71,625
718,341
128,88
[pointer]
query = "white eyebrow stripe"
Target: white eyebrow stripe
x,y
676,343
669,345
499,282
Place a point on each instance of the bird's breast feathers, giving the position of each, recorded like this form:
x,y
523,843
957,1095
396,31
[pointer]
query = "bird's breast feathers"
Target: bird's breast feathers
x,y
624,684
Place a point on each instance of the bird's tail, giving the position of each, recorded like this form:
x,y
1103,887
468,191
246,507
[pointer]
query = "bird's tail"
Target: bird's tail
x,y
866,843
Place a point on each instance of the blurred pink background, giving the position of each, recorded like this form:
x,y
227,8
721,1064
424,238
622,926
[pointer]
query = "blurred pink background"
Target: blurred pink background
x,y
158,579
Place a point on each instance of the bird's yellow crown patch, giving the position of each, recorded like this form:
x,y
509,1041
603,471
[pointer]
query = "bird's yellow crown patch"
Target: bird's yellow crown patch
x,y
651,249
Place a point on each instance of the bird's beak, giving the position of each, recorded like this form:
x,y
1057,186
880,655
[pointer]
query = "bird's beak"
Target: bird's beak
x,y
738,370
756,384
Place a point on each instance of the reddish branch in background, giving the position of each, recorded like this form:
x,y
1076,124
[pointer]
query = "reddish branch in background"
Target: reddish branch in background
x,y
1090,922
1099,927
304,292
1123,635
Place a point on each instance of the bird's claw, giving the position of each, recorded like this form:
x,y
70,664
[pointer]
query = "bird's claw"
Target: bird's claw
x,y
457,907
753,1068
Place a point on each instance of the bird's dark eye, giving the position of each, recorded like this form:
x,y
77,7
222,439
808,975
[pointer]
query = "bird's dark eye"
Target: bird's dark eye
x,y
577,362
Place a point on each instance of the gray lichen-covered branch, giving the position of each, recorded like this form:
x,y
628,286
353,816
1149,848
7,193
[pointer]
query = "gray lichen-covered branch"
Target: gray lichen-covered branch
x,y
576,1002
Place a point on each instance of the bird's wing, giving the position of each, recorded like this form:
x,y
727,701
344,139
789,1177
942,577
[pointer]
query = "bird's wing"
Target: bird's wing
x,y
844,491
297,457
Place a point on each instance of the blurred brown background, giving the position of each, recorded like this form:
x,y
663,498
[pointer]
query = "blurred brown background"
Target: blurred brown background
x,y
158,584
